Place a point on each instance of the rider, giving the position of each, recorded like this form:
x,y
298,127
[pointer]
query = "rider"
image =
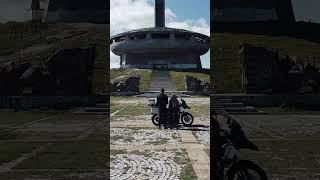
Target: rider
x,y
162,101
174,111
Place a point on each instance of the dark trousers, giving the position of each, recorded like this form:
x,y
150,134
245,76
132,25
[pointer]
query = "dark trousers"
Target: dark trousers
x,y
174,117
163,115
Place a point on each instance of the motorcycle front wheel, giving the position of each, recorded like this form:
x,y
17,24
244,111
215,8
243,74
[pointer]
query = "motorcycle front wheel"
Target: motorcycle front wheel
x,y
155,119
186,119
245,170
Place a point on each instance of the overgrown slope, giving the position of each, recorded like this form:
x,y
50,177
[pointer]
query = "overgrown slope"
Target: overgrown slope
x,y
225,63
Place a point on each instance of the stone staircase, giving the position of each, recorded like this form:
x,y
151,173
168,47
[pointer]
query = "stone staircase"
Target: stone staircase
x,y
101,107
161,79
227,104
98,109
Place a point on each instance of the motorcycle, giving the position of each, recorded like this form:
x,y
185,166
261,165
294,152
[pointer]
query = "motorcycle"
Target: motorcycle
x,y
185,117
228,143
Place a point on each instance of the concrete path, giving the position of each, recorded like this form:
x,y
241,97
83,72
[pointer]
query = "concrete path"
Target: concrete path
x,y
195,149
161,79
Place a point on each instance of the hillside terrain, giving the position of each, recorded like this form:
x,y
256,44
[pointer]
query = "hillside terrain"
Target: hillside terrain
x,y
226,69
34,43
145,77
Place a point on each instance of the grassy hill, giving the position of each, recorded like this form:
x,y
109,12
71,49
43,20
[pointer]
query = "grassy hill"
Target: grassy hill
x,y
225,64
178,78
34,43
145,75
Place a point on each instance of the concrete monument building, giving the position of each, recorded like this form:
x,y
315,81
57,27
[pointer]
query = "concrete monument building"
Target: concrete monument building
x,y
160,46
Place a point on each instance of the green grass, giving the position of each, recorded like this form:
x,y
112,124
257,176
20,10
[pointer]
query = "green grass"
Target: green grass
x,y
145,76
69,155
199,110
133,110
225,63
179,78
13,42
10,118
187,171
12,150
286,157
70,174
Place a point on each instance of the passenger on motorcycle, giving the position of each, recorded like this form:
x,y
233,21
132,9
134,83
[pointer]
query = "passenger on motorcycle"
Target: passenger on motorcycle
x,y
174,112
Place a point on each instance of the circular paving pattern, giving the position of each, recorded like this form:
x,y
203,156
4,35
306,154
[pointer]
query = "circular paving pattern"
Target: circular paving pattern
x,y
126,136
152,166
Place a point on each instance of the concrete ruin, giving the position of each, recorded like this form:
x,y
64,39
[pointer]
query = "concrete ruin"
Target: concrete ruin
x,y
69,72
196,84
160,47
265,71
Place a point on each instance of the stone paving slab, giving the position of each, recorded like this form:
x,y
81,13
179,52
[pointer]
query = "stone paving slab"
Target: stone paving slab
x,y
62,128
150,164
134,136
186,139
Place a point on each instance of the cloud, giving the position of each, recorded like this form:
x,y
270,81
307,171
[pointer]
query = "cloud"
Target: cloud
x,y
127,15
200,25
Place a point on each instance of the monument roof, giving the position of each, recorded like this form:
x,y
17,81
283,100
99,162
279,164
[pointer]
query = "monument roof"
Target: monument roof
x,y
157,30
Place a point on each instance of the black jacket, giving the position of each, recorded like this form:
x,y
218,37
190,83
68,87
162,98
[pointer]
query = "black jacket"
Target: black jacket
x,y
162,100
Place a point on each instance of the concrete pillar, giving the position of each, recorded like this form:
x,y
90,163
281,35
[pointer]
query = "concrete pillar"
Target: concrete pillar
x,y
172,37
148,36
160,13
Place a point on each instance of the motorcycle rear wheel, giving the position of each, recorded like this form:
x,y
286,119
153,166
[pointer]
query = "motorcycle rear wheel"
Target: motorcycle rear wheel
x,y
245,170
186,119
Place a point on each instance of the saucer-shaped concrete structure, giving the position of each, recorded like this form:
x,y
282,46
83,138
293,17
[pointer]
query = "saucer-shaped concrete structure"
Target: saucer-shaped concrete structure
x,y
160,46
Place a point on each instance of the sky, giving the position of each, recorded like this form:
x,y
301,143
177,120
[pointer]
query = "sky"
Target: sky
x,y
306,10
191,15
17,10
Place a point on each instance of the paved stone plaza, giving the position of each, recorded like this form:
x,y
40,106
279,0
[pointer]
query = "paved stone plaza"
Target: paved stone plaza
x,y
52,145
139,150
289,144
147,165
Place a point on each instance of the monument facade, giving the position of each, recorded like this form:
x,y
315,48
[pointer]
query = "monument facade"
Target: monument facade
x,y
160,46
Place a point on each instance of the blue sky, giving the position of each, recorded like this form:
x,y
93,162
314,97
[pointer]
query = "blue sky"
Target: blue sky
x,y
192,9
193,15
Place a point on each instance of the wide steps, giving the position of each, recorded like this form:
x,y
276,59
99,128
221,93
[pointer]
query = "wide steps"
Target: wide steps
x,y
233,104
226,103
102,105
237,109
161,79
96,109
91,113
